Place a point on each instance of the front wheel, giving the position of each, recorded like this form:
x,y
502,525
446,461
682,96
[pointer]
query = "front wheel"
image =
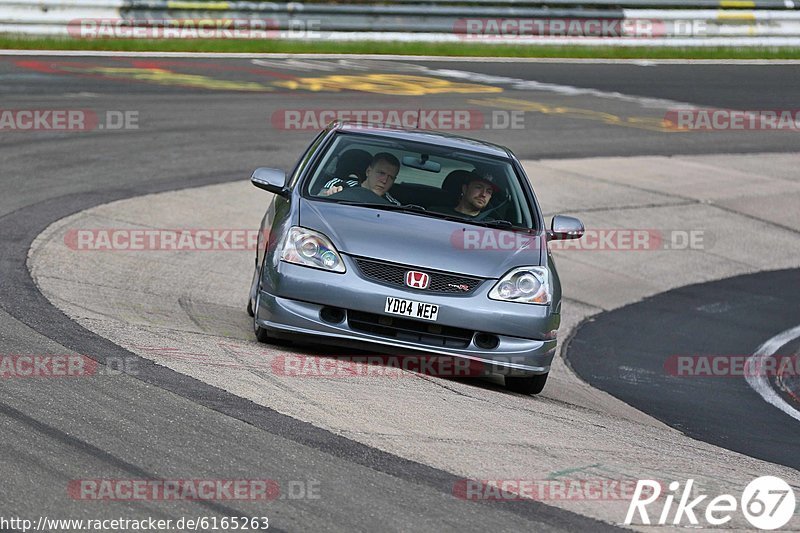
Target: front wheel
x,y
254,286
262,334
527,384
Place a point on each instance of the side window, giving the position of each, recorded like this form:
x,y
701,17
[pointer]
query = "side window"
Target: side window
x,y
326,169
305,158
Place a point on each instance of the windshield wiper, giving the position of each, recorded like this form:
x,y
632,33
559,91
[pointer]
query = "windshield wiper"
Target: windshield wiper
x,y
419,210
494,223
415,209
500,224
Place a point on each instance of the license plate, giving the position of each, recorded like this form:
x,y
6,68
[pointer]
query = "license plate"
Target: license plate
x,y
412,309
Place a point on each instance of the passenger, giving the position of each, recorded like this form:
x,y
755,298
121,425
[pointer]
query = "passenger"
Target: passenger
x,y
350,168
475,196
381,173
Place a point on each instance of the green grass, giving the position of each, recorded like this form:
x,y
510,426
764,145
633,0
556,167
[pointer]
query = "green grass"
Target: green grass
x,y
443,49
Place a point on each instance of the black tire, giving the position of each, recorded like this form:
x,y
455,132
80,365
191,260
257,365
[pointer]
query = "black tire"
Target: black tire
x,y
261,334
256,272
526,385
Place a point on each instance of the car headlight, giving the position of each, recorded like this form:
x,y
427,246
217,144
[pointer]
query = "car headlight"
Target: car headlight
x,y
530,285
310,248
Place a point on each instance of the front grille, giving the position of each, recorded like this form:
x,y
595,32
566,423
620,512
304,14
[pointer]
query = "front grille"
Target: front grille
x,y
405,329
393,274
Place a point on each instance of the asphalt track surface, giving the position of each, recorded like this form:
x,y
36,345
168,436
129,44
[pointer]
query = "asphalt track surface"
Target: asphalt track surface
x,y
713,85
163,424
631,353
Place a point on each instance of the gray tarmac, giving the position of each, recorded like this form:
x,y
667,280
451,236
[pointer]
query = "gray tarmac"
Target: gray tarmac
x,y
379,465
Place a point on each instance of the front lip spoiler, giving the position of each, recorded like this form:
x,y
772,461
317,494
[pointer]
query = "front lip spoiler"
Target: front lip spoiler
x,y
282,331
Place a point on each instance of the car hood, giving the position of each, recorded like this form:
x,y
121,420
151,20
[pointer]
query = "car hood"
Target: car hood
x,y
421,241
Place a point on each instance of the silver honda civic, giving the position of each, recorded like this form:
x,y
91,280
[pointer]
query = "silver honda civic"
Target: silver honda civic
x,y
410,242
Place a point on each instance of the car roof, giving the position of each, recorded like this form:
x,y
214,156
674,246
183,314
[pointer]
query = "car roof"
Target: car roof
x,y
433,137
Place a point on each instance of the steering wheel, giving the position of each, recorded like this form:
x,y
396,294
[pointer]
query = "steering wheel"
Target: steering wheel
x,y
485,214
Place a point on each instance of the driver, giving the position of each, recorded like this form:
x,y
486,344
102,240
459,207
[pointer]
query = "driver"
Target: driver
x,y
475,196
381,173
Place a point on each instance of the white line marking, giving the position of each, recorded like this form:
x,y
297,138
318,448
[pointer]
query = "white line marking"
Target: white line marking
x,y
294,64
759,382
564,90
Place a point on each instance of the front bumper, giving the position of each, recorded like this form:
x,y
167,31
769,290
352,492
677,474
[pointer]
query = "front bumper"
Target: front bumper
x,y
292,299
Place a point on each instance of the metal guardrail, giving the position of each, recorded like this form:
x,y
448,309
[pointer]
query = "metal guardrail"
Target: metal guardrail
x,y
438,20
412,12
471,7
679,4
544,4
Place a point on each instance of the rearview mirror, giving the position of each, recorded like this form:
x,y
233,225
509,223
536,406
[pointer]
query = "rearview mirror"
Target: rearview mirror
x,y
270,179
421,163
564,227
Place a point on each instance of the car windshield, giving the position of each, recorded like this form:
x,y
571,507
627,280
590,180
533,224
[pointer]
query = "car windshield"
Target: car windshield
x,y
422,179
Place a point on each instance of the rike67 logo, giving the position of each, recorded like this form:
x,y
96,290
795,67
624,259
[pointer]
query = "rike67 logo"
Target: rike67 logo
x,y
767,502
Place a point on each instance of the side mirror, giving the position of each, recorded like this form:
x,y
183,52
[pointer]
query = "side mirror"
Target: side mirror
x,y
563,227
270,179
